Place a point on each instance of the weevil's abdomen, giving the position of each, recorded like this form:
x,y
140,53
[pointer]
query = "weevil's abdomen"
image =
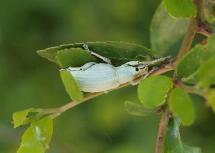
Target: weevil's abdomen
x,y
96,78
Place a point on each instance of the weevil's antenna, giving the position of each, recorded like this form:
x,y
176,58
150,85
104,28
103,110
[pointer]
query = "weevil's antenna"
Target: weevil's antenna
x,y
156,61
105,59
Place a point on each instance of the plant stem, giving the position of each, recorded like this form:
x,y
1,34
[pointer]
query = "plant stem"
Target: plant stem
x,y
60,110
162,131
55,112
192,29
190,89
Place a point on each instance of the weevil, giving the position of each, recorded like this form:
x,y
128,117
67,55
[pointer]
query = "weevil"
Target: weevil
x,y
97,77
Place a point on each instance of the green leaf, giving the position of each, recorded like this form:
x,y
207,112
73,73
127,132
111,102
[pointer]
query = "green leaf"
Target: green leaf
x,y
206,73
181,106
207,14
69,57
70,85
210,96
117,52
37,137
173,143
180,8
189,149
166,32
198,55
156,85
21,117
137,109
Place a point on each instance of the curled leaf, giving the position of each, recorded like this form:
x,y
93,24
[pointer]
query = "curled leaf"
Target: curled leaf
x,y
70,85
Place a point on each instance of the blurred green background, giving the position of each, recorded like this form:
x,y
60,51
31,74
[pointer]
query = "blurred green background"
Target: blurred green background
x,y
26,80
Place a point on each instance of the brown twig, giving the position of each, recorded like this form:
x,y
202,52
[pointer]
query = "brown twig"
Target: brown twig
x,y
162,131
188,39
192,29
189,89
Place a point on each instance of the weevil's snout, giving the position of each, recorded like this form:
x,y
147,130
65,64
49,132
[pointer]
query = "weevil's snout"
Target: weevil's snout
x,y
142,66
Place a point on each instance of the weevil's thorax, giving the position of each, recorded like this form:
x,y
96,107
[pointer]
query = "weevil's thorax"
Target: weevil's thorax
x,y
127,73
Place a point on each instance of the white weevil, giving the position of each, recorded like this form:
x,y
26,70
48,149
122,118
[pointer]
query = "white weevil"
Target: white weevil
x,y
97,77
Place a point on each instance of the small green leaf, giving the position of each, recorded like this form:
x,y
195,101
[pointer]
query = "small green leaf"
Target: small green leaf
x,y
210,96
166,32
156,85
37,137
20,117
173,143
198,55
117,52
180,8
208,13
181,106
44,130
137,109
206,73
70,85
190,149
68,57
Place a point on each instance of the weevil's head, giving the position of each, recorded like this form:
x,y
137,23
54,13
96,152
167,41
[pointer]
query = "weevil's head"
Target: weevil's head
x,y
129,71
140,69
137,67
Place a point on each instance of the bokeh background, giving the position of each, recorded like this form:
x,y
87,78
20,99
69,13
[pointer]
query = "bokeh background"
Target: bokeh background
x,y
26,80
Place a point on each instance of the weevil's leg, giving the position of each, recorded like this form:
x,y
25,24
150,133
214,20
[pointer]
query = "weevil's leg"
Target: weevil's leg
x,y
105,59
82,68
73,68
87,65
150,72
133,63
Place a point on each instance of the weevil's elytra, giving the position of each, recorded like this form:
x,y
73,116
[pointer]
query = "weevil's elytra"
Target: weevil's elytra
x,y
97,77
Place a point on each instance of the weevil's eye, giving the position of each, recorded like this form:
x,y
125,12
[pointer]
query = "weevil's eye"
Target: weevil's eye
x,y
137,69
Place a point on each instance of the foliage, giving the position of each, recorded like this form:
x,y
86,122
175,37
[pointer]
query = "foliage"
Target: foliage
x,y
117,52
165,39
159,86
181,8
193,73
37,137
181,106
71,86
173,143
